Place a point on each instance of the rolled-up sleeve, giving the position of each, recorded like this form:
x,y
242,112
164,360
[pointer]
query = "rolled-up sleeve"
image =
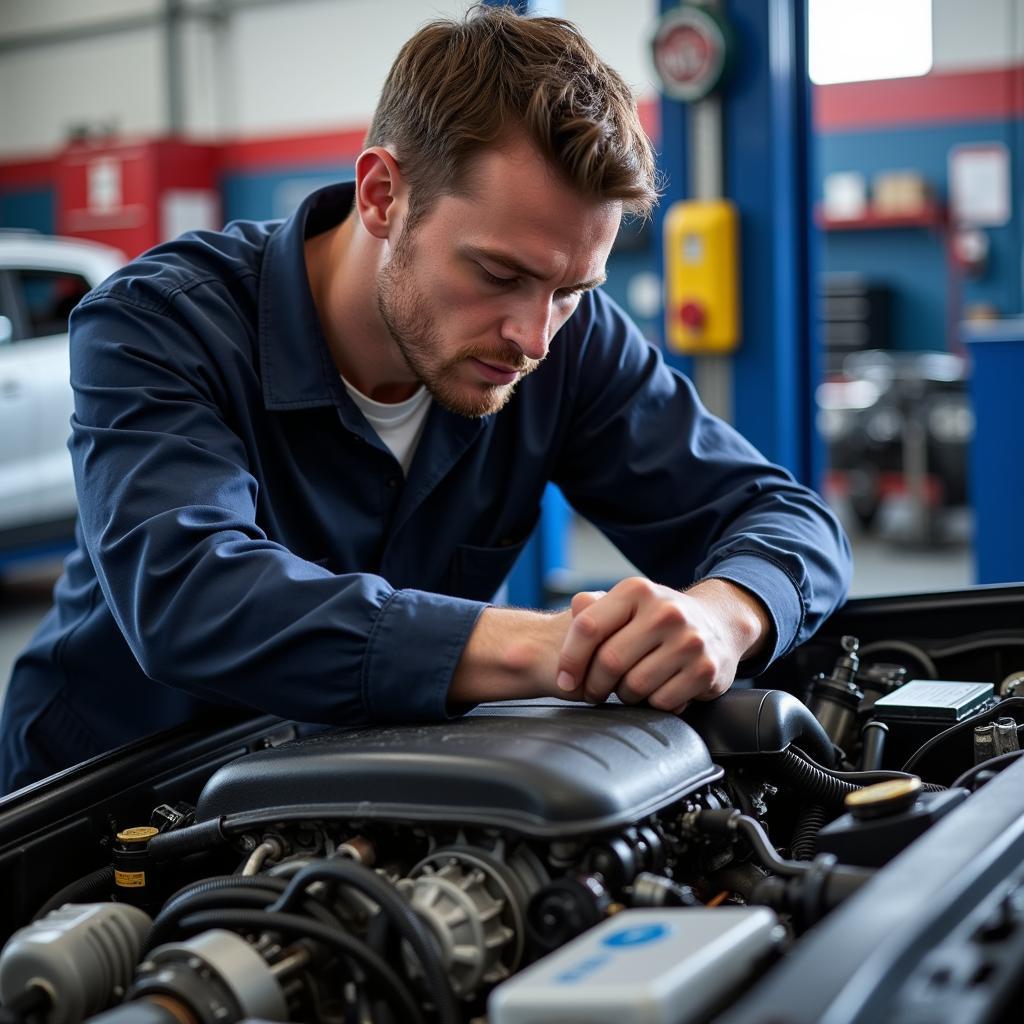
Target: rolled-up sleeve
x,y
684,496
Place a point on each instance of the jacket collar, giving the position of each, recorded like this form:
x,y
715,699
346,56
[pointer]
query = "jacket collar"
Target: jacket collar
x,y
295,362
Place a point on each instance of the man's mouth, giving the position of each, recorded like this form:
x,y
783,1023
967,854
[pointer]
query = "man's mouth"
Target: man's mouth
x,y
495,372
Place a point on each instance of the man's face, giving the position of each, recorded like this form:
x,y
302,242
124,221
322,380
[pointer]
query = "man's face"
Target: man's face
x,y
474,293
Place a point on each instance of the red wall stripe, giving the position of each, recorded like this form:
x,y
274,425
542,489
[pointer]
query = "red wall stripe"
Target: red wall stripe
x,y
28,174
238,156
339,147
292,150
953,96
649,109
963,96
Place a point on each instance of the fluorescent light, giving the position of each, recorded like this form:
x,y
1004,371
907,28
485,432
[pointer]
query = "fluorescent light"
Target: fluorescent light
x,y
869,39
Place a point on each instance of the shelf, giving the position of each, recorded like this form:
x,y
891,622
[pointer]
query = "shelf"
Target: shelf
x,y
932,216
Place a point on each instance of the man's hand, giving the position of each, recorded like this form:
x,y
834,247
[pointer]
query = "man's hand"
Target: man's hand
x,y
648,642
642,640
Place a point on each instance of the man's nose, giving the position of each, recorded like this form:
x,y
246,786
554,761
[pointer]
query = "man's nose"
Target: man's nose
x,y
528,327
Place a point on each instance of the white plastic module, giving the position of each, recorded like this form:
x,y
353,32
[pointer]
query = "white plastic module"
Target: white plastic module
x,y
667,966
933,700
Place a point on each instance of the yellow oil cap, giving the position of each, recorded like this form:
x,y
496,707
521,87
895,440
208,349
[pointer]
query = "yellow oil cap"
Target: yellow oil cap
x,y
883,798
139,834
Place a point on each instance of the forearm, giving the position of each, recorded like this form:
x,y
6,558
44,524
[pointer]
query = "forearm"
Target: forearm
x,y
511,653
741,613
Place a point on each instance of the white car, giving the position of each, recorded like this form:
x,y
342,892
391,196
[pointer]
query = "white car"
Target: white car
x,y
41,280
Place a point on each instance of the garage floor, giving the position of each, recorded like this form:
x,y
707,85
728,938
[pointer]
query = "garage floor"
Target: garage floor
x,y
24,600
884,563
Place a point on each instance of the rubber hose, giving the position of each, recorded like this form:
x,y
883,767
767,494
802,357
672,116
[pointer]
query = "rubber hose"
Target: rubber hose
x,y
863,778
342,942
996,764
409,924
805,836
827,787
769,857
180,842
920,655
239,897
275,885
812,781
92,888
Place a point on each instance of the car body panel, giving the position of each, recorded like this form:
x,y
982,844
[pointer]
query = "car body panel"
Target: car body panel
x,y
41,279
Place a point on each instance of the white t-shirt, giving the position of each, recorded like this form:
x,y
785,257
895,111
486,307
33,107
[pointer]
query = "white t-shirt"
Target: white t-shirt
x,y
398,424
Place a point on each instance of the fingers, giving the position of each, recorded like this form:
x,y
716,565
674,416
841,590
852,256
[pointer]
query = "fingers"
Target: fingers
x,y
672,673
594,623
645,643
685,688
584,599
617,657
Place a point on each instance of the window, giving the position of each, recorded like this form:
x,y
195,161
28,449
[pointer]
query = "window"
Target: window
x,y
869,39
48,297
7,317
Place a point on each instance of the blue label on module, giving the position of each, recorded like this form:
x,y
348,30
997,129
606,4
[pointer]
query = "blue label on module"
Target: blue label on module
x,y
641,935
582,969
623,939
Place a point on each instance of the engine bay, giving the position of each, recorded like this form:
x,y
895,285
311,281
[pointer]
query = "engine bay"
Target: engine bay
x,y
547,861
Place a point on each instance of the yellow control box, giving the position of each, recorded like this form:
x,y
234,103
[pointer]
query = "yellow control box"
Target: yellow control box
x,y
702,277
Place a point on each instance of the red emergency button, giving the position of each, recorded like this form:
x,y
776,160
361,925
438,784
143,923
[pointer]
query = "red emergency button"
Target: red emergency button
x,y
693,315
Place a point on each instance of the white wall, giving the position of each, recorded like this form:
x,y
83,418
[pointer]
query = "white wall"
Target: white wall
x,y
620,31
973,34
316,65
205,77
44,90
18,17
272,68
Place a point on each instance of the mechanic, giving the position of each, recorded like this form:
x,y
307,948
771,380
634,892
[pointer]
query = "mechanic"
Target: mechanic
x,y
308,452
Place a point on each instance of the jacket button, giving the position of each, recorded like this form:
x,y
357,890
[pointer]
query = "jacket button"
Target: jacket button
x,y
393,482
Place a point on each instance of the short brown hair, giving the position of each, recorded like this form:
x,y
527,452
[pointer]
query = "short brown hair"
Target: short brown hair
x,y
457,87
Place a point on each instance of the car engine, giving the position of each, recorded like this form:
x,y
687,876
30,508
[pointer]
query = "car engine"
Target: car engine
x,y
532,861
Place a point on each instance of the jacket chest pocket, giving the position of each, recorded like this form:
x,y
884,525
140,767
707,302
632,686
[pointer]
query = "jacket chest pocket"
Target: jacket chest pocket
x,y
477,572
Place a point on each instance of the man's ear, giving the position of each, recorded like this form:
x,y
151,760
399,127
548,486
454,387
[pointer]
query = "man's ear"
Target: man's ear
x,y
380,192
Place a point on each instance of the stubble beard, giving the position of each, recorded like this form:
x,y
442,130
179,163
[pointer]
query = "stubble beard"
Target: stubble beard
x,y
406,314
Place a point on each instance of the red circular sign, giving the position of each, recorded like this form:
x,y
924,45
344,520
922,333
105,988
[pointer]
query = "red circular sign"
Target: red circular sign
x,y
684,55
689,49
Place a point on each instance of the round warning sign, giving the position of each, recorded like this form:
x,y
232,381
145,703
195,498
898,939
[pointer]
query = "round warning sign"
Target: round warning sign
x,y
690,49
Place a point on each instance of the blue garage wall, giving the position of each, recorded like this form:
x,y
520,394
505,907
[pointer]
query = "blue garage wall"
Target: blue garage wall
x,y
265,194
28,208
913,260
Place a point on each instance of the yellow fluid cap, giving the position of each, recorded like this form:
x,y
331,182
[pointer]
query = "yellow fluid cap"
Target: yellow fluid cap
x,y
883,798
139,834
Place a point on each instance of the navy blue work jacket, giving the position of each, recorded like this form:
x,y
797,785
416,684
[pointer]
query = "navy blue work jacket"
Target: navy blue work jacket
x,y
246,539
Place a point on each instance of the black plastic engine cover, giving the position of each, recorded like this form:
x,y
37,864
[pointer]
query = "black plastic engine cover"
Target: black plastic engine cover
x,y
540,768
749,721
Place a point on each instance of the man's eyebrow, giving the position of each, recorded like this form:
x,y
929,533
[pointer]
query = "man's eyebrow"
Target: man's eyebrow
x,y
509,262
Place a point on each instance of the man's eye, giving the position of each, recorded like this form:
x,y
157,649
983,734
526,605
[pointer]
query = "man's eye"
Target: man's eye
x,y
494,279
569,296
